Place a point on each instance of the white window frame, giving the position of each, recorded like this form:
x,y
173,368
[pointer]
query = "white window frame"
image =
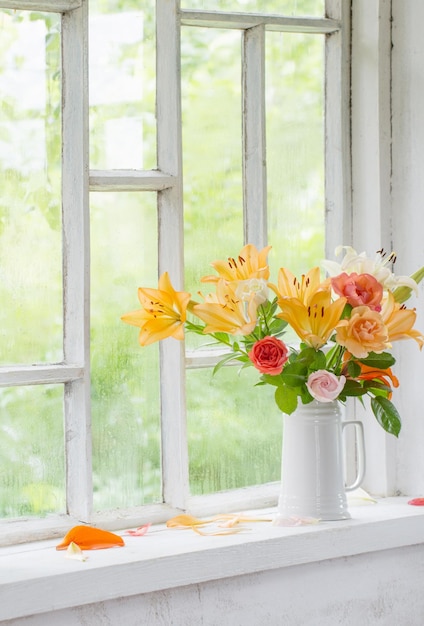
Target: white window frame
x,y
78,181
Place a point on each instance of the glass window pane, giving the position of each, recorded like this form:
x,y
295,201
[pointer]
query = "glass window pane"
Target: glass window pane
x,y
122,85
32,466
295,150
286,7
212,152
234,430
125,378
30,201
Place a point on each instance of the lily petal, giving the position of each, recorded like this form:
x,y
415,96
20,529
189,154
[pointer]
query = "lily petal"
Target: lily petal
x,y
75,552
250,263
225,312
89,538
140,531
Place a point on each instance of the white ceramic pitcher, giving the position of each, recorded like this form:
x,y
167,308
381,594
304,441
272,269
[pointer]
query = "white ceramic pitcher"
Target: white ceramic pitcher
x,y
312,467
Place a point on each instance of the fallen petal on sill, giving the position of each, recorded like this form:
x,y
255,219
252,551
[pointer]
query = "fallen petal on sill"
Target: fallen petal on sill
x,y
140,531
294,521
75,552
416,502
89,538
229,521
230,531
359,497
186,521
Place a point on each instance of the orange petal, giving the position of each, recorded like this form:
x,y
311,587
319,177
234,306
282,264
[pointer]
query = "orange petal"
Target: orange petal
x,y
89,538
185,521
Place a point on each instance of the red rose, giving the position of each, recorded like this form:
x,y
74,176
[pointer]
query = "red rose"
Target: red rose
x,y
268,355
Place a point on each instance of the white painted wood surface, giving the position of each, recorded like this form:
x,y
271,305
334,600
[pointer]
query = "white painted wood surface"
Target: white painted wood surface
x,y
36,578
337,130
242,20
254,137
171,257
130,180
39,374
54,6
371,186
76,259
371,124
407,218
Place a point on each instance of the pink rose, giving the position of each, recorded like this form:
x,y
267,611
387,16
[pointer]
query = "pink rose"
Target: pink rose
x,y
359,289
268,355
325,386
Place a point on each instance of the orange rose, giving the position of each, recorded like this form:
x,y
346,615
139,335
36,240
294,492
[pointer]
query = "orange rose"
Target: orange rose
x,y
363,333
359,289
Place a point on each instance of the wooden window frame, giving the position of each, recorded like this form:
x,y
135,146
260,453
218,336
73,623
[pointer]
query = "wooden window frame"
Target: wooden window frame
x,y
78,181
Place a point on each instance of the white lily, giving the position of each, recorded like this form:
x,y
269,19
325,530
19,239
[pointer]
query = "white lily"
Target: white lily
x,y
377,267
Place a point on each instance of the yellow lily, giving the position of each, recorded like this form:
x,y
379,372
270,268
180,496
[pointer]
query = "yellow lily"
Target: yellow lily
x,y
250,263
315,320
225,312
290,287
163,312
399,321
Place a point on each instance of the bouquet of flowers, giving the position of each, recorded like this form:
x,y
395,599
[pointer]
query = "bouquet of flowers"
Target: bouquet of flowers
x,y
346,324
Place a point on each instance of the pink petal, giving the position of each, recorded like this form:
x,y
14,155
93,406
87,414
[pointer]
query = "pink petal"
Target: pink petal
x,y
417,502
140,531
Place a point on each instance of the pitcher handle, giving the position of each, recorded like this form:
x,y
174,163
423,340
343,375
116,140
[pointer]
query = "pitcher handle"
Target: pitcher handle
x,y
360,441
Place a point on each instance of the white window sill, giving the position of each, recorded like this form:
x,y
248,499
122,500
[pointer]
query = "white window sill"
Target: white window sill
x,y
35,578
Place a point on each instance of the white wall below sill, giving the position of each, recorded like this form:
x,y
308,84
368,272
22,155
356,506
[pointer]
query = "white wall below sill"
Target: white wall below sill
x,y
36,580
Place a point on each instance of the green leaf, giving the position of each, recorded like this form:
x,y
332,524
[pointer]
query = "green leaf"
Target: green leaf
x,y
223,361
277,326
222,338
373,385
381,361
271,380
312,358
354,369
387,415
353,388
294,374
286,399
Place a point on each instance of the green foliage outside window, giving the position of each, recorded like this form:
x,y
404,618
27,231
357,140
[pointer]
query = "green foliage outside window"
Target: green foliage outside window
x,y
234,431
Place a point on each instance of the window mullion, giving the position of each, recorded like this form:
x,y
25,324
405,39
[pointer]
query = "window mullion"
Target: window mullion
x,y
54,6
254,141
338,193
76,260
170,216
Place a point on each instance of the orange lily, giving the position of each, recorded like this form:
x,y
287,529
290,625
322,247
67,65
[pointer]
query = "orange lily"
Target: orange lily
x,y
290,287
400,321
225,312
315,320
385,376
163,312
250,263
